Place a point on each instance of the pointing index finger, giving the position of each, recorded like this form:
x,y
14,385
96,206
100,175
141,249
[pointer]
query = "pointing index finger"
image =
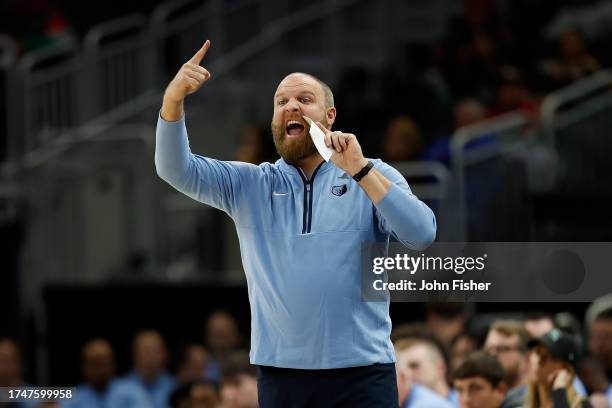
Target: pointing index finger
x,y
323,128
198,56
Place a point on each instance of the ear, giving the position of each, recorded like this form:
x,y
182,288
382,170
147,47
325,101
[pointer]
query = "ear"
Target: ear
x,y
330,116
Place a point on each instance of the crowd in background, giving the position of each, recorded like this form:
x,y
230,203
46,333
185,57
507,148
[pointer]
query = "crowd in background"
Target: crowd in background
x,y
498,56
452,358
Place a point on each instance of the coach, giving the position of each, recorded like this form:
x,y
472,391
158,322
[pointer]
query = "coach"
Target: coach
x,y
300,223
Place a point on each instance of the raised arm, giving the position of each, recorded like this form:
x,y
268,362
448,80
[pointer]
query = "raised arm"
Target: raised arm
x,y
214,182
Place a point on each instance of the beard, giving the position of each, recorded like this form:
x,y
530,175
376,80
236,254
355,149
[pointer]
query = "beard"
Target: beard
x,y
292,150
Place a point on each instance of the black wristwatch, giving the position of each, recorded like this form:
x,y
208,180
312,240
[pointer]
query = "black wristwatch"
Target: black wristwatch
x,y
362,173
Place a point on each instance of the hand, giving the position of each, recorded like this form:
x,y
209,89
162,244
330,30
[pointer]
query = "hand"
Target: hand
x,y
189,78
560,379
348,155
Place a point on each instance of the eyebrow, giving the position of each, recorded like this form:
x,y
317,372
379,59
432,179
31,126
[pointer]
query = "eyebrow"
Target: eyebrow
x,y
301,93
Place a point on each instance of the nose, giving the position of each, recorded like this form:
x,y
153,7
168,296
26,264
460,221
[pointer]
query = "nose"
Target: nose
x,y
292,105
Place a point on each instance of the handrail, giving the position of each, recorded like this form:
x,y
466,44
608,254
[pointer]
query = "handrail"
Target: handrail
x,y
10,46
271,34
465,135
162,12
96,34
555,100
34,57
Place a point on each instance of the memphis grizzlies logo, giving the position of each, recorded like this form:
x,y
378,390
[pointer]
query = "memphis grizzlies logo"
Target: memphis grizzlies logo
x,y
339,190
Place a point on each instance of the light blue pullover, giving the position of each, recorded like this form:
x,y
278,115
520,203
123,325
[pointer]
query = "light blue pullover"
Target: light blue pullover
x,y
300,242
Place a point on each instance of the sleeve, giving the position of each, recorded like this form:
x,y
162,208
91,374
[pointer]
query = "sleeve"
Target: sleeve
x,y
217,183
401,214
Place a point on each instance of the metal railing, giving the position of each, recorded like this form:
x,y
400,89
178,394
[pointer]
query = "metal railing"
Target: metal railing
x,y
491,179
577,122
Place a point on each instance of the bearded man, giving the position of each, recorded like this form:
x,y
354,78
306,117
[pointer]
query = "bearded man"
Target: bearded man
x,y
301,222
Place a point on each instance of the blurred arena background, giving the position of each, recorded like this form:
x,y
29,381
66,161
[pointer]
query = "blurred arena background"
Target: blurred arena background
x,y
498,113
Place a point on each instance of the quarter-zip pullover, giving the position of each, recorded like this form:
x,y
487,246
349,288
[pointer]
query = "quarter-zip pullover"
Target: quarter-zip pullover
x,y
300,242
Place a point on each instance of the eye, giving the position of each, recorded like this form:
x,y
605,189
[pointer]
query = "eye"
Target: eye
x,y
281,102
305,99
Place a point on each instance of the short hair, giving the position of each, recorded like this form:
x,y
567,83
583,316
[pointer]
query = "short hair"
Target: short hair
x,y
237,363
418,333
405,343
329,95
512,328
481,364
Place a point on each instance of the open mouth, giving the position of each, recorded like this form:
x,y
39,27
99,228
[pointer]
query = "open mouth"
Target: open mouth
x,y
294,128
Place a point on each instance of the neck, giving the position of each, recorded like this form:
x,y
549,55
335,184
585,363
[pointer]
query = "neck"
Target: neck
x,y
309,164
544,396
442,389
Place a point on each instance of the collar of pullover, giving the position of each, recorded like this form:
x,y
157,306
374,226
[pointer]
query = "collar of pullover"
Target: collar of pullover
x,y
291,169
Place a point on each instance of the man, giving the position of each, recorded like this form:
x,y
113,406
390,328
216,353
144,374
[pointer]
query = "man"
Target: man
x,y
238,382
101,389
10,369
410,392
599,320
301,222
425,360
507,340
538,324
479,380
222,337
150,358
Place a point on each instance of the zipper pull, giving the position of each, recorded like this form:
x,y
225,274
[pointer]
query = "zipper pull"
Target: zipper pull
x,y
308,187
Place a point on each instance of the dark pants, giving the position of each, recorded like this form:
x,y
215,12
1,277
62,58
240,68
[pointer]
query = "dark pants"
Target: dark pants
x,y
372,386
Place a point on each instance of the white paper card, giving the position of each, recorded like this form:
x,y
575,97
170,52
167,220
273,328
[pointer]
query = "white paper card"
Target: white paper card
x,y
318,138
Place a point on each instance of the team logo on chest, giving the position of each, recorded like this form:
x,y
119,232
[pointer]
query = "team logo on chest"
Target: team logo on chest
x,y
339,190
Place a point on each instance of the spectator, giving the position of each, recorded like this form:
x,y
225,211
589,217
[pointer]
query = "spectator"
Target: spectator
x,y
222,337
10,368
425,359
193,363
507,340
599,321
403,140
100,388
552,361
466,112
539,323
512,94
592,373
197,394
150,358
462,346
479,381
253,147
411,394
575,61
446,320
238,381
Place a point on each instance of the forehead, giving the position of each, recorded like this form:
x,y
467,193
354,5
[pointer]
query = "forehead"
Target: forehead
x,y
296,83
499,337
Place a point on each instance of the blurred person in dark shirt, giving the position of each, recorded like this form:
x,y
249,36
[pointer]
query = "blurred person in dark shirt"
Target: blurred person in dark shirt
x,y
254,146
479,381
